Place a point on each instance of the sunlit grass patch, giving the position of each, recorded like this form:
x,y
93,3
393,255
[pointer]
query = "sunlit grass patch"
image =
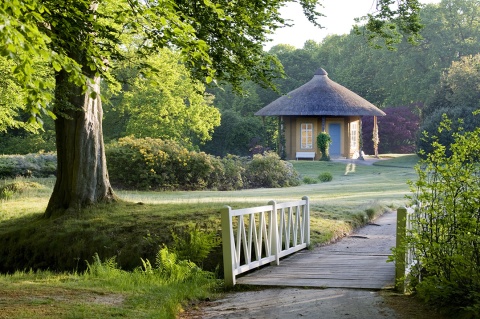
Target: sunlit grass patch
x,y
398,160
104,291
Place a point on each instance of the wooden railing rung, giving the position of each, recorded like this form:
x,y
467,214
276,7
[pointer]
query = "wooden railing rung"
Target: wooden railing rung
x,y
273,231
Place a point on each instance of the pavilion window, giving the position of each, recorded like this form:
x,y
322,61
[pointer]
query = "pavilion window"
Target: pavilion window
x,y
354,135
307,136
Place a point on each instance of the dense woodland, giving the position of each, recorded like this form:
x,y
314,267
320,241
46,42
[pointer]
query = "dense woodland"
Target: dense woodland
x,y
415,85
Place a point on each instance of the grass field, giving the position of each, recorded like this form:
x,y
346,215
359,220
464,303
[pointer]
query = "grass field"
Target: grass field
x,y
384,181
144,221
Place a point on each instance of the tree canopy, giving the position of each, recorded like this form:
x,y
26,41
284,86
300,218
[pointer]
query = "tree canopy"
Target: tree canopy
x,y
457,98
11,97
217,39
169,104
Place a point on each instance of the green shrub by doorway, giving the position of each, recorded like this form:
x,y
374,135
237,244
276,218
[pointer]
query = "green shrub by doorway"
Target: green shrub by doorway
x,y
323,143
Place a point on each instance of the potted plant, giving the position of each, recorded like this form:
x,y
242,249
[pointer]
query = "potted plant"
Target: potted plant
x,y
323,142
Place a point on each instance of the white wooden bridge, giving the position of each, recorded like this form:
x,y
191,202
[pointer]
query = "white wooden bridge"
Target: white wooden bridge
x,y
357,261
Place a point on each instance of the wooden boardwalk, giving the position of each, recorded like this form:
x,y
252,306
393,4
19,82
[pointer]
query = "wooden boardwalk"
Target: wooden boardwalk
x,y
357,261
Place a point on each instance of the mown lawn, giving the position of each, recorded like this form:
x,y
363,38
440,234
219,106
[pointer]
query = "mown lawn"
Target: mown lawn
x,y
143,222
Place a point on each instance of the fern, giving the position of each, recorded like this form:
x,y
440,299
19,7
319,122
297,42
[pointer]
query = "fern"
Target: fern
x,y
103,269
147,266
172,269
194,244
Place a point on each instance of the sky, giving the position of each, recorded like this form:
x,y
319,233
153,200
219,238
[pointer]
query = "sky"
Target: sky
x,y
339,19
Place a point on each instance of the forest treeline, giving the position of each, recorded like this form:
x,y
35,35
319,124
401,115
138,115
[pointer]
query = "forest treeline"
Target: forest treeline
x,y
414,85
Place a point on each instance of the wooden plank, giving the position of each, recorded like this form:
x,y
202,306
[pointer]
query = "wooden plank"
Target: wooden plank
x,y
324,283
354,263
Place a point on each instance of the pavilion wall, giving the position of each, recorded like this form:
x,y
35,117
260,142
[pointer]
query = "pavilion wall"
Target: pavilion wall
x,y
292,131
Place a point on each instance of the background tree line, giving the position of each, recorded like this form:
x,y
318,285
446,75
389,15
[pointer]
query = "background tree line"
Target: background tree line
x,y
415,85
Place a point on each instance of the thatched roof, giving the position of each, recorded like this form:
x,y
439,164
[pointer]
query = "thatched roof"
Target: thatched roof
x,y
321,96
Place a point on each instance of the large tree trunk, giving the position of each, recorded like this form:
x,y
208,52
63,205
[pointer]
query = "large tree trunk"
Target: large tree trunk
x,y
82,177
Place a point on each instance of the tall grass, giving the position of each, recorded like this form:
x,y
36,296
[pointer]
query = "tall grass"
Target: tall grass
x,y
105,291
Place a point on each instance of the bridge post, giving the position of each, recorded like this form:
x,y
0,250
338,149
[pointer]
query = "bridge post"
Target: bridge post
x,y
228,247
307,220
276,242
401,252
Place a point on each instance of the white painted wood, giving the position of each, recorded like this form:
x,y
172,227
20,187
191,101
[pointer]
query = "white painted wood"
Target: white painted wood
x,y
411,259
228,247
406,258
305,155
256,236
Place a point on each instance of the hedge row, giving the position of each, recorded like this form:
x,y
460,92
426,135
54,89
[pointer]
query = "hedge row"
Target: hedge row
x,y
165,165
30,165
155,164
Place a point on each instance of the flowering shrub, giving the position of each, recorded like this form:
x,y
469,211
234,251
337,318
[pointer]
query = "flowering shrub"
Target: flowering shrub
x,y
270,171
160,165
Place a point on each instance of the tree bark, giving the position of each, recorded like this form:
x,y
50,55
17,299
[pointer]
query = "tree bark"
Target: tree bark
x,y
82,177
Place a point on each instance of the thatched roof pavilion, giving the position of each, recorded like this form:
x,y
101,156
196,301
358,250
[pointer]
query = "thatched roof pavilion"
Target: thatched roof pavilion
x,y
320,105
321,96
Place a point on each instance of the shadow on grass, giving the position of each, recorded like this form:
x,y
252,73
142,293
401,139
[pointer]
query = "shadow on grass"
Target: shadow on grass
x,y
126,231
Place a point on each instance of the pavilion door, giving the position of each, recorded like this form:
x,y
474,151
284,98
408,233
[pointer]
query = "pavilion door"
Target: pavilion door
x,y
335,132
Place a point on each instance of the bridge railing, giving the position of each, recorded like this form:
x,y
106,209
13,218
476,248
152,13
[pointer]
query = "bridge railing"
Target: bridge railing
x,y
256,236
405,255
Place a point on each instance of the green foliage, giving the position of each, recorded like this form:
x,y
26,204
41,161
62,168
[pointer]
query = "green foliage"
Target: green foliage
x,y
136,228
200,32
446,225
11,97
456,98
169,283
325,177
28,241
97,36
7,191
30,165
270,171
160,165
323,143
234,135
17,135
107,268
174,269
105,291
194,244
370,213
438,126
309,180
463,81
230,173
374,211
26,143
387,78
358,219
378,29
157,164
169,105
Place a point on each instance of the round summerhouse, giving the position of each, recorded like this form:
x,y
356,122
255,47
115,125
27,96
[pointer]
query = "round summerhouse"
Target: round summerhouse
x,y
320,105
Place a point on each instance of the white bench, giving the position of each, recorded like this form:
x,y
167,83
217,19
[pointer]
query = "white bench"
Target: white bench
x,y
305,155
